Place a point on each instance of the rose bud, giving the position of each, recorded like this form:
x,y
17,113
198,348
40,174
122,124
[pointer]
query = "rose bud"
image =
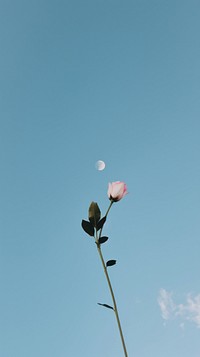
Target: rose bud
x,y
116,191
94,213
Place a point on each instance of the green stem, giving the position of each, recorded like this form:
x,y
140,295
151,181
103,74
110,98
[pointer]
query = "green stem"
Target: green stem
x,y
111,289
111,202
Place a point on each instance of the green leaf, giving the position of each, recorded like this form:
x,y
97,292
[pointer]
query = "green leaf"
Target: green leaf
x,y
103,240
88,227
105,305
101,223
110,263
94,214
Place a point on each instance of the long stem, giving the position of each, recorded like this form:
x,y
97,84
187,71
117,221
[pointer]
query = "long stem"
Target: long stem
x,y
111,290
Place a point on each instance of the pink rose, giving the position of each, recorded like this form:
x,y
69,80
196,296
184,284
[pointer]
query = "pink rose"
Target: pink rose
x,y
117,190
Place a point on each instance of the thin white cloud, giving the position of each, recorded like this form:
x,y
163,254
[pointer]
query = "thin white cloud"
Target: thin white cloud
x,y
166,304
190,311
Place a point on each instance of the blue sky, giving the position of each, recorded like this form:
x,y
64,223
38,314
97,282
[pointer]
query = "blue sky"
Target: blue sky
x,y
82,81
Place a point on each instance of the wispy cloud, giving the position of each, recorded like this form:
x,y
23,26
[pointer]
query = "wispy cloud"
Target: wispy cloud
x,y
188,311
166,304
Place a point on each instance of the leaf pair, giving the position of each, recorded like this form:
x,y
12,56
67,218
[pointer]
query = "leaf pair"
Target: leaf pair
x,y
95,220
94,215
89,228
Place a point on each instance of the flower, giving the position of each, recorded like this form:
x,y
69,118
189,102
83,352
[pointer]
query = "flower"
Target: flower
x,y
116,191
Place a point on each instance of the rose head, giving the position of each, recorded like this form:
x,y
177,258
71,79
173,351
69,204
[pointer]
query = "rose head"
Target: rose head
x,y
116,191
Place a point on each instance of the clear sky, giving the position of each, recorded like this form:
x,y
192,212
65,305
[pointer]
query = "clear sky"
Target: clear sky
x,y
117,81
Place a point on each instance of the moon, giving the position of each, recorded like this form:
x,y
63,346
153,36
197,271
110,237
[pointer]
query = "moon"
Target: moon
x,y
100,165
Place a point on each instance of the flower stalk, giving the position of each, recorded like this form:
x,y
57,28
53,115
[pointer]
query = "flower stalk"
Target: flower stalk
x,y
112,293
116,191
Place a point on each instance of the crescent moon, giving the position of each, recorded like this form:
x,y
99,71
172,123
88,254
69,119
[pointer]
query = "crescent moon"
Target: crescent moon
x,y
100,165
